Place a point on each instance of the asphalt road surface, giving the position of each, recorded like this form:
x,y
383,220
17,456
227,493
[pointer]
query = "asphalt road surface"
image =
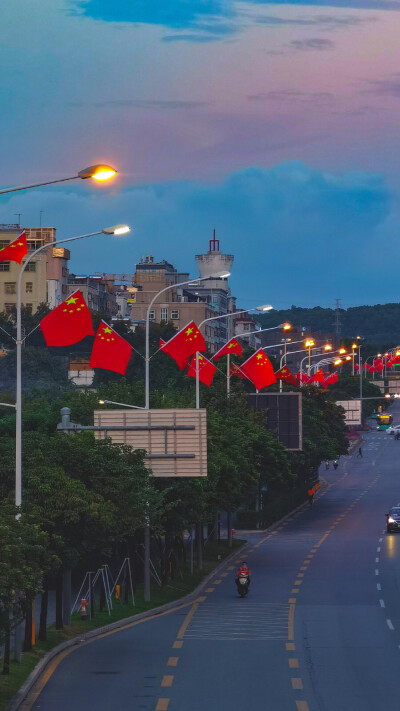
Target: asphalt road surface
x,y
319,630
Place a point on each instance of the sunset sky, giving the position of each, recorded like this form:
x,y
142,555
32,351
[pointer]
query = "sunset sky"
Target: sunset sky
x,y
278,124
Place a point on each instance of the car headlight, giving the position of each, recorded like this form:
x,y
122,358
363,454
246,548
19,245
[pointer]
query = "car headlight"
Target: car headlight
x,y
391,520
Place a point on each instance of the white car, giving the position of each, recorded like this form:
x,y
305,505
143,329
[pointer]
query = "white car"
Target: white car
x,y
393,429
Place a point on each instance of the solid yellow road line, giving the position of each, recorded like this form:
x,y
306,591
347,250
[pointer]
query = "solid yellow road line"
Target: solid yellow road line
x,y
162,704
297,683
177,645
291,623
293,663
187,620
167,680
172,661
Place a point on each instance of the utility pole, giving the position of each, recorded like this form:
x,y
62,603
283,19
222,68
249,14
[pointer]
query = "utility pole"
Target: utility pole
x,y
337,324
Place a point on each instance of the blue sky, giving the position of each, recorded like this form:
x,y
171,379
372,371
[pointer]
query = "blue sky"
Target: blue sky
x,y
275,123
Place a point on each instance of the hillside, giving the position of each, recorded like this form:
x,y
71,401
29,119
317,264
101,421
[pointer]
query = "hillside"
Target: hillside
x,y
379,324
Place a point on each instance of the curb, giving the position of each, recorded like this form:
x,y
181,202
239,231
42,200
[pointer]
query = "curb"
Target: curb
x,y
41,667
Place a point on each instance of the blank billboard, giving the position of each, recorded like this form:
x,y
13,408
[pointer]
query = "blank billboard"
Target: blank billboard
x,y
175,440
284,416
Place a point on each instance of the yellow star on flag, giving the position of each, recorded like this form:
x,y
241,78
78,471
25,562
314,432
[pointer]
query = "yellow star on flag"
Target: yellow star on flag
x,y
72,300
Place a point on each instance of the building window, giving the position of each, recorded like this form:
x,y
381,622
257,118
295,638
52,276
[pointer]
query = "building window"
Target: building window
x,y
152,315
9,308
10,287
64,289
175,315
4,243
29,287
4,266
31,267
164,313
246,327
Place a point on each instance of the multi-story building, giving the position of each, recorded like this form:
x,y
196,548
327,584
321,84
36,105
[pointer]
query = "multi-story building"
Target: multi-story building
x,y
97,292
45,277
178,305
244,327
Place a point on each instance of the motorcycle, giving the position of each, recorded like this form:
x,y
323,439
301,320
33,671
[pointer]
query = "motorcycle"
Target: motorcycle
x,y
243,585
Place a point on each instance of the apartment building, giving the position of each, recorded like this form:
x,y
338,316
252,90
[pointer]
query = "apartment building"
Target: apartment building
x,y
97,292
45,277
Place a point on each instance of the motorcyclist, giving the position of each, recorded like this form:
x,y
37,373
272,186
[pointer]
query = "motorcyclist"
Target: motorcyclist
x,y
335,464
310,493
241,572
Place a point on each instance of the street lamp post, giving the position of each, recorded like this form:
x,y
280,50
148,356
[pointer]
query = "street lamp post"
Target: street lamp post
x,y
219,275
317,355
97,172
116,230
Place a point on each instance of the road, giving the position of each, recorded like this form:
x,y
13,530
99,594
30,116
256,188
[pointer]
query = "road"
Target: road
x,y
319,631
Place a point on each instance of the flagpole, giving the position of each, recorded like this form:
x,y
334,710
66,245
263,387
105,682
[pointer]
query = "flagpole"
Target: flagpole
x,y
197,382
228,374
19,341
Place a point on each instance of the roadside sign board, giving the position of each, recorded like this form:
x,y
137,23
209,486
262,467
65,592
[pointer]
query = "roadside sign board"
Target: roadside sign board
x,y
352,410
175,440
284,416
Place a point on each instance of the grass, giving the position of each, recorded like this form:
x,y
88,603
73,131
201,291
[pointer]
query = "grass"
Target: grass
x,y
182,585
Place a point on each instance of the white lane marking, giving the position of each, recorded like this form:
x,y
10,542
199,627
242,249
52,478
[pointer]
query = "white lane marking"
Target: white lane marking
x,y
376,571
378,550
381,602
378,586
377,560
390,624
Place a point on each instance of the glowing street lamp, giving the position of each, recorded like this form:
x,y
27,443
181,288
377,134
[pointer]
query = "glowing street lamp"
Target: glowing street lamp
x,y
98,172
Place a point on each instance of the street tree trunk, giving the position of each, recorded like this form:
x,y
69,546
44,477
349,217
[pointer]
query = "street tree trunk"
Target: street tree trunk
x,y
43,613
229,525
28,625
59,598
7,645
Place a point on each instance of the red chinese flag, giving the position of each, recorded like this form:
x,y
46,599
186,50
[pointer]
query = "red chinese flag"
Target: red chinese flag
x,y
235,370
356,367
318,377
15,251
285,375
110,351
161,343
186,342
233,346
68,323
303,377
332,378
206,370
259,370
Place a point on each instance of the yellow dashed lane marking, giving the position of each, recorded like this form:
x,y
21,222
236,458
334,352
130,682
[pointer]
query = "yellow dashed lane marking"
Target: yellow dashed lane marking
x,y
297,683
231,567
290,647
292,601
293,663
217,582
162,704
210,590
302,706
167,680
177,645
172,661
298,582
295,590
291,623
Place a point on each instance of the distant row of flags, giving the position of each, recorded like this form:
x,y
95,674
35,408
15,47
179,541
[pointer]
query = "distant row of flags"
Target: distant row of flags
x,y
71,321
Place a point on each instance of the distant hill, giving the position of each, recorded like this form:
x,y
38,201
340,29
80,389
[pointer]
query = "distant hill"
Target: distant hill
x,y
379,324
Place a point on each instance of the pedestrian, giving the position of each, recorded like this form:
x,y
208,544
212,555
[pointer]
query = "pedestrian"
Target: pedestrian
x,y
359,452
310,493
335,464
326,464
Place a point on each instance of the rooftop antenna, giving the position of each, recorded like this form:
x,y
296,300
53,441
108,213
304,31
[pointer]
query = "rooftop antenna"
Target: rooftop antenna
x,y
18,214
214,244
